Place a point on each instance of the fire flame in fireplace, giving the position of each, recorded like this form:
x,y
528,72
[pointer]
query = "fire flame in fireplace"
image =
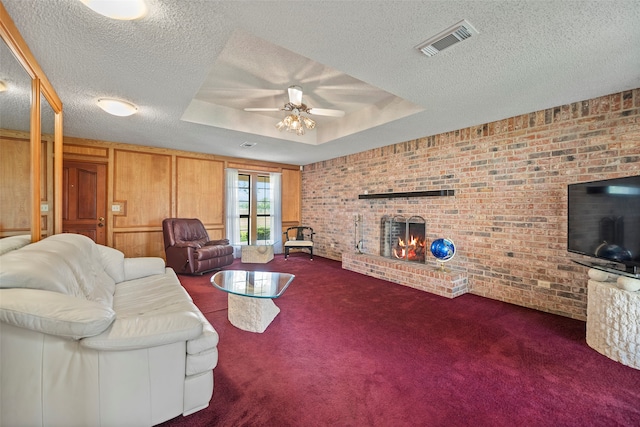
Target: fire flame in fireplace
x,y
414,251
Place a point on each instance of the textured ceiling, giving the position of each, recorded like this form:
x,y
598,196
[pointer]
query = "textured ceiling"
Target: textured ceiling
x,y
528,55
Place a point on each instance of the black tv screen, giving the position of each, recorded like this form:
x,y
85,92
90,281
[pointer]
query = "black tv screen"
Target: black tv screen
x,y
604,220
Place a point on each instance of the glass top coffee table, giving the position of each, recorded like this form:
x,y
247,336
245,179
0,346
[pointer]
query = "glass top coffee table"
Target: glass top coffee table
x,y
250,296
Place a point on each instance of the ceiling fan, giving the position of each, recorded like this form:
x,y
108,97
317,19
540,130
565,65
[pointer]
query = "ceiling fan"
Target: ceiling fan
x,y
296,122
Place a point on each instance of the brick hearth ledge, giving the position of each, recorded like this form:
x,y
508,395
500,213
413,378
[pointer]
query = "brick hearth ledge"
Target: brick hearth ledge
x,y
428,278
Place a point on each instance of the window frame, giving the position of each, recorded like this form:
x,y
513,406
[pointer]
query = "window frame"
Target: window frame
x,y
251,219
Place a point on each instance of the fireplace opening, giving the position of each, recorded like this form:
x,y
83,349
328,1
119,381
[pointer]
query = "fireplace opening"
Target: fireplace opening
x,y
403,238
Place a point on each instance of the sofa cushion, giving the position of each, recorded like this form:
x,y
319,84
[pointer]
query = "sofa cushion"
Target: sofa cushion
x,y
54,313
113,262
136,268
74,255
11,243
160,293
35,269
83,257
151,311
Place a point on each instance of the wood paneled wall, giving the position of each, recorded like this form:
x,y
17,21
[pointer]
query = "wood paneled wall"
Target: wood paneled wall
x,y
149,184
193,190
15,183
15,186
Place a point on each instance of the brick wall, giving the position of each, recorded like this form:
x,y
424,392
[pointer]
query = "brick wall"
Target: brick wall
x,y
508,216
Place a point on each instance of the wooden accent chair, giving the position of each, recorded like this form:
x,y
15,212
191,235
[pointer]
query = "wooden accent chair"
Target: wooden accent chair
x,y
298,238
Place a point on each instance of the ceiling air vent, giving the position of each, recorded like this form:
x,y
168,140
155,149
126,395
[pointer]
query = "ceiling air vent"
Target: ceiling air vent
x,y
248,144
447,38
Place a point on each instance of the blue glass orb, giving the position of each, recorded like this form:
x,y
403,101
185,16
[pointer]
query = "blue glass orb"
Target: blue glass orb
x,y
443,249
613,252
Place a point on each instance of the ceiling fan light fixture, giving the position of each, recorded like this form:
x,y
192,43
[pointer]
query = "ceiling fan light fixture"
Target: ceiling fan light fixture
x,y
123,10
289,120
117,107
310,124
296,124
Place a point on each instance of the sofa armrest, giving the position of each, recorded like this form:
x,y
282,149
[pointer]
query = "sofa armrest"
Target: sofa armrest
x,y
223,242
146,331
135,268
54,313
194,245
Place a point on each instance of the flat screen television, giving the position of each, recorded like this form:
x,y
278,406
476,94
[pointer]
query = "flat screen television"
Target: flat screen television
x,y
604,222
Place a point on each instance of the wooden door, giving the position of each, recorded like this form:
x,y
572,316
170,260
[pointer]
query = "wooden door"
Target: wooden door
x,y
84,200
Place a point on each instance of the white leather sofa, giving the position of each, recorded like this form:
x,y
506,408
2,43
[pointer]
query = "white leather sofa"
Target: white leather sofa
x,y
91,338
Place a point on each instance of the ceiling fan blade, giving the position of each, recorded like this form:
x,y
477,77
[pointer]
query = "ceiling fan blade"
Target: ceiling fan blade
x,y
326,112
295,95
262,109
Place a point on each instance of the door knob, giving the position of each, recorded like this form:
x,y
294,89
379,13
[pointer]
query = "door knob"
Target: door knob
x,y
101,221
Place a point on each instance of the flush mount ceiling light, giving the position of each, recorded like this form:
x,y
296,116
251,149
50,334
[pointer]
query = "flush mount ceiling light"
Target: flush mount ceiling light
x,y
117,107
124,10
447,38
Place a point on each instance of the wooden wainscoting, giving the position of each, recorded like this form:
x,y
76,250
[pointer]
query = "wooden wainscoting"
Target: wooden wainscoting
x,y
147,184
139,243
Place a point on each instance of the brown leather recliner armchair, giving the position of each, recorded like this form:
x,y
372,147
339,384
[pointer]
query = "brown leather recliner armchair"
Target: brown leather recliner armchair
x,y
189,250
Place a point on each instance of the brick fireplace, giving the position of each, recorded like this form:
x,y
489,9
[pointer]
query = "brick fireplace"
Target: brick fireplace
x,y
404,258
403,238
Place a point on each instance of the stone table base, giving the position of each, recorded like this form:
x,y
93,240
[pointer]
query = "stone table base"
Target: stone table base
x,y
251,314
257,254
613,316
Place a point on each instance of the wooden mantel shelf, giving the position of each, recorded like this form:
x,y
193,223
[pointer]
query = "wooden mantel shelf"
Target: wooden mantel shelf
x,y
431,193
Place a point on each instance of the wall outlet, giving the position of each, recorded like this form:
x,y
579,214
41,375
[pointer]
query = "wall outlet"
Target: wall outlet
x,y
44,207
544,284
115,208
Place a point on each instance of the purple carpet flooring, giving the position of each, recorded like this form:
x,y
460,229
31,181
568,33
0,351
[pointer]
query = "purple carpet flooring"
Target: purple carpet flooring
x,y
350,350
